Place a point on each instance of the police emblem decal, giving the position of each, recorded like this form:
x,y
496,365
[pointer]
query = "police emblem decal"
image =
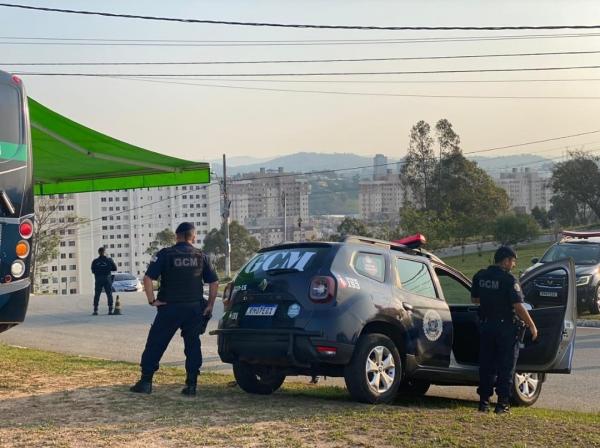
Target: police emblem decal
x,y
432,325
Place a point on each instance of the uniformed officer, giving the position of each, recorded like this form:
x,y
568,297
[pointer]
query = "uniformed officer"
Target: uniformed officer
x,y
501,299
183,270
102,268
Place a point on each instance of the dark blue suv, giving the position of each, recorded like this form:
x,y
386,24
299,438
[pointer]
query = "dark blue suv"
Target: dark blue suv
x,y
390,318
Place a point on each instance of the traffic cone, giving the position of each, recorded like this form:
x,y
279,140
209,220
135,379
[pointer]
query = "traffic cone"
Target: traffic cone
x,y
117,310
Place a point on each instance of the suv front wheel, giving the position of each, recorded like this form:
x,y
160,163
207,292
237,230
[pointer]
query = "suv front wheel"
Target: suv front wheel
x,y
527,388
375,370
257,379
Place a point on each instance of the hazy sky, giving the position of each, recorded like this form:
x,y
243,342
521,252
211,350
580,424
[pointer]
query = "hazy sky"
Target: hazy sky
x,y
198,122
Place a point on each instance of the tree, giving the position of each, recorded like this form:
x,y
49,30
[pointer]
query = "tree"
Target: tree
x,y
353,226
578,180
243,245
512,229
49,224
436,227
164,238
448,140
541,217
419,166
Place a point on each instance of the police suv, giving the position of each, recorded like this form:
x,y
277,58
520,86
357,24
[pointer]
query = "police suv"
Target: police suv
x,y
584,249
389,317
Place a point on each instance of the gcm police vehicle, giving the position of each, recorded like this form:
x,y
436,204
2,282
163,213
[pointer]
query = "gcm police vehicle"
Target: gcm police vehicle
x,y
16,202
584,249
389,317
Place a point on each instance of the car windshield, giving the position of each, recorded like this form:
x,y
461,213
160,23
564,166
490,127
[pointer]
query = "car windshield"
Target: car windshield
x,y
124,277
583,253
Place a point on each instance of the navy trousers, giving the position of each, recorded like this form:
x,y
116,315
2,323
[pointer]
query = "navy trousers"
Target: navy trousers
x,y
106,285
169,318
498,353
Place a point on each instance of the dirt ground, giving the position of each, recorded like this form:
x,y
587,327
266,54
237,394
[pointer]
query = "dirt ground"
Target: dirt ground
x,y
48,399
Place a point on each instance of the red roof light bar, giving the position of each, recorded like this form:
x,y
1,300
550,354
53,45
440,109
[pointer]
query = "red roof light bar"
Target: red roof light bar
x,y
412,241
581,235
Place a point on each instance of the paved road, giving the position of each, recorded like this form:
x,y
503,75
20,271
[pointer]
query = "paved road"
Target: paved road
x,y
65,324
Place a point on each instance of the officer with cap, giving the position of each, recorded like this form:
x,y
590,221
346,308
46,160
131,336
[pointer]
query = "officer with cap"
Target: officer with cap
x,y
501,300
183,270
102,268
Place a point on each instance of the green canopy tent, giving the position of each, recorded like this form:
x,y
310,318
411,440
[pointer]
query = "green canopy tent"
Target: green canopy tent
x,y
71,158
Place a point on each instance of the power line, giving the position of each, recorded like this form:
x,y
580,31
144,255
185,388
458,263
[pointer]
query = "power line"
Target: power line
x,y
333,92
278,42
290,25
303,61
223,75
533,142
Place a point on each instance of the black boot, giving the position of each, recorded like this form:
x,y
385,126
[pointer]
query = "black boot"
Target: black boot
x,y
484,406
95,313
143,386
190,386
502,408
110,311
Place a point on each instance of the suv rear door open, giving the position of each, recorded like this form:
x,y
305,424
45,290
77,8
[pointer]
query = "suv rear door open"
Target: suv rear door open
x,y
553,351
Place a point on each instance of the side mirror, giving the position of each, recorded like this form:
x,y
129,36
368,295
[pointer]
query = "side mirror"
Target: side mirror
x,y
535,260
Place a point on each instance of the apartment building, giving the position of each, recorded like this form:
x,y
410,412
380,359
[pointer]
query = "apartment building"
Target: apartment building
x,y
125,223
269,198
382,197
526,189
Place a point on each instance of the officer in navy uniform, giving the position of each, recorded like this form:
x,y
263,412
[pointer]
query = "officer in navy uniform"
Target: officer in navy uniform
x,y
102,268
183,270
501,299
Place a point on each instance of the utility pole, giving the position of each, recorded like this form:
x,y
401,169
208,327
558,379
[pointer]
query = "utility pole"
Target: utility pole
x,y
284,216
226,205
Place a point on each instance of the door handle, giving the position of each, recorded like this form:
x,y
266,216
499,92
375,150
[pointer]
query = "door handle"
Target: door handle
x,y
407,306
473,308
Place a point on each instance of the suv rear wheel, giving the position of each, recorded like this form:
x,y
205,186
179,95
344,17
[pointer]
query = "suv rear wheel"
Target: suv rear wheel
x,y
375,370
527,388
257,379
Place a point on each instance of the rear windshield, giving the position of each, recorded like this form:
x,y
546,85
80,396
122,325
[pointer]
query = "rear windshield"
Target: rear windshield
x,y
580,253
293,259
122,277
10,116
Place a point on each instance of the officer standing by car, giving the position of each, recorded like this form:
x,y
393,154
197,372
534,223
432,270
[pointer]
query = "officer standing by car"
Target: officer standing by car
x,y
183,270
102,268
501,299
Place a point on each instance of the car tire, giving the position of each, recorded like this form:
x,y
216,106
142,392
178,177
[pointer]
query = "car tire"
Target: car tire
x,y
595,304
527,388
374,373
257,379
410,387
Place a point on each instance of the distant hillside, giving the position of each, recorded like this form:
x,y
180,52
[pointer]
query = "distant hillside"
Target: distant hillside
x,y
302,162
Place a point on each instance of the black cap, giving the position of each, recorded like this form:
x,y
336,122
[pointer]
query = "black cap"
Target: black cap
x,y
184,227
504,252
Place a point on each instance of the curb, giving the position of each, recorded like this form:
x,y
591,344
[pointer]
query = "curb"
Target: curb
x,y
588,323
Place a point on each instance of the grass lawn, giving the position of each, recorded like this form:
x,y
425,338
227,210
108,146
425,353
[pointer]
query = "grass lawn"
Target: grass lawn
x,y
473,262
48,399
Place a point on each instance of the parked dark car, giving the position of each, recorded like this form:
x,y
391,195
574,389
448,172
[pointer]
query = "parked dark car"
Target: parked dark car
x,y
389,318
584,249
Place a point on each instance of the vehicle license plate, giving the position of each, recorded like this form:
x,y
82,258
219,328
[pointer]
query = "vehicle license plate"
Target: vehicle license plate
x,y
548,294
261,310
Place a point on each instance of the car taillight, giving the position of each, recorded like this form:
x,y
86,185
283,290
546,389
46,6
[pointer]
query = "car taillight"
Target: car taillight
x,y
26,228
22,249
322,289
227,296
